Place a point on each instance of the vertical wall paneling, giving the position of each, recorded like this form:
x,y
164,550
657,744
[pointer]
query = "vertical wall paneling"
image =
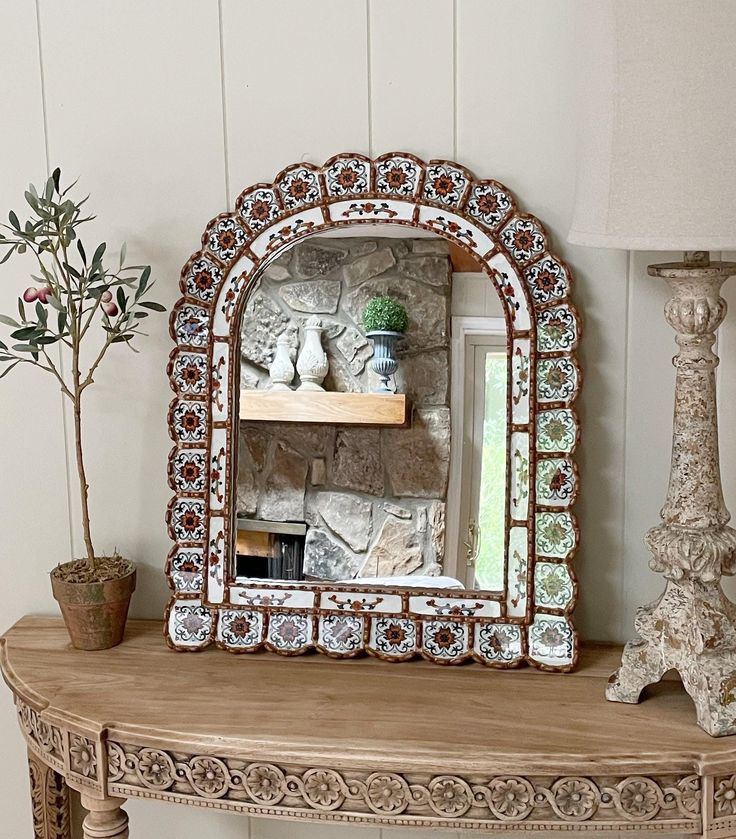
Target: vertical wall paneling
x,y
142,127
516,83
296,84
515,90
167,110
32,456
649,408
33,495
412,79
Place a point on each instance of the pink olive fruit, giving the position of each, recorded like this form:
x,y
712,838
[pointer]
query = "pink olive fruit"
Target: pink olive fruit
x,y
43,293
30,294
106,296
110,309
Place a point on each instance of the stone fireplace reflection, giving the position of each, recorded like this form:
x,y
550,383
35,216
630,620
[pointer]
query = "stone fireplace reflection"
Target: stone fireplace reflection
x,y
373,500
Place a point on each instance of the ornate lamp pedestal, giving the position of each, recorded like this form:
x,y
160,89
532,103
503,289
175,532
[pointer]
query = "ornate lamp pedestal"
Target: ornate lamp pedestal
x,y
692,627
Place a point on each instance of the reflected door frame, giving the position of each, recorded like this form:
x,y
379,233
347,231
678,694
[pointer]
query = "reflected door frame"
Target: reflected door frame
x,y
461,329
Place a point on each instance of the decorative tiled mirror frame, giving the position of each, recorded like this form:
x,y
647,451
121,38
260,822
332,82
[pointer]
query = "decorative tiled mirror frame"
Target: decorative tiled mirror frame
x,y
529,622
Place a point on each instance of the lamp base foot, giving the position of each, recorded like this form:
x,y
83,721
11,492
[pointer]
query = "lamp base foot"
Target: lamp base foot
x,y
690,629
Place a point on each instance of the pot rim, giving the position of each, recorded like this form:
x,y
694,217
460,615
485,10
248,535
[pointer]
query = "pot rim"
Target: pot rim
x,y
384,332
56,580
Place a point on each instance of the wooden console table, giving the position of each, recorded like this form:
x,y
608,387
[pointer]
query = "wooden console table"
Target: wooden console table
x,y
359,741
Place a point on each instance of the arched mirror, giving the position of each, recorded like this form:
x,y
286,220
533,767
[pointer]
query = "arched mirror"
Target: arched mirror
x,y
357,469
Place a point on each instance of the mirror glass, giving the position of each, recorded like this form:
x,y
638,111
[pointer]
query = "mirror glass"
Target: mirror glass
x,y
353,496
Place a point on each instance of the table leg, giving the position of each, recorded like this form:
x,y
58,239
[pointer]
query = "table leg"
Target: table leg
x,y
49,800
105,818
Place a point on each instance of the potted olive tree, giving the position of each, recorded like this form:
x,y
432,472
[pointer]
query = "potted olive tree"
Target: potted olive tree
x,y
385,321
76,308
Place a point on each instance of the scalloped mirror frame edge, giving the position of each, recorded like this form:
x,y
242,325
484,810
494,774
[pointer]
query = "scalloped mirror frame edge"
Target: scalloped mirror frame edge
x,y
531,621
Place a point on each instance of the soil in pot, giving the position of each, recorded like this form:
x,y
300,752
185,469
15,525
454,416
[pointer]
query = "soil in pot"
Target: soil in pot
x,y
94,601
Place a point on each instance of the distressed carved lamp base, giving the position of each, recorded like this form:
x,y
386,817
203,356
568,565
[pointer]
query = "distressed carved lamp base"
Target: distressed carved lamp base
x,y
692,627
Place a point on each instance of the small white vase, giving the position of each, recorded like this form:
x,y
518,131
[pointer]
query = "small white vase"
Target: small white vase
x,y
281,371
312,364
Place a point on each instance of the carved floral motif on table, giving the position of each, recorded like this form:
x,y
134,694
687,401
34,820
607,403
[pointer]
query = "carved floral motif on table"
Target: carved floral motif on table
x,y
531,620
402,799
665,803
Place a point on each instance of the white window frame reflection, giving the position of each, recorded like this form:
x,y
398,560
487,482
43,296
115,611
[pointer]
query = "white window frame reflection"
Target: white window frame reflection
x,y
494,328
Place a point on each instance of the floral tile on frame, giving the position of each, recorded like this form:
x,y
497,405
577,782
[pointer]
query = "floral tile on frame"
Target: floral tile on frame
x,y
188,421
186,567
189,373
557,380
556,482
341,634
557,329
523,237
548,280
191,325
556,534
226,238
190,623
397,176
239,629
299,187
557,430
258,207
445,640
202,279
290,632
445,183
393,638
551,641
553,585
489,203
189,470
498,643
346,176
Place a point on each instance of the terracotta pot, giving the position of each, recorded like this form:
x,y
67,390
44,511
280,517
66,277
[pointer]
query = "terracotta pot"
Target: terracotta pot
x,y
95,613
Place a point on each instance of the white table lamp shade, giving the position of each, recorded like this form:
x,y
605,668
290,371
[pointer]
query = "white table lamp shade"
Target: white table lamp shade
x,y
657,140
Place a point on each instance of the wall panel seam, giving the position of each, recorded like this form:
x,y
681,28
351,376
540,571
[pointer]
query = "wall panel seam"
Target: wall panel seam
x,y
369,77
455,81
225,144
62,400
624,630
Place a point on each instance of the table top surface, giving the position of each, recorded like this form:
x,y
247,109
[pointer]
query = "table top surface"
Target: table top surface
x,y
357,713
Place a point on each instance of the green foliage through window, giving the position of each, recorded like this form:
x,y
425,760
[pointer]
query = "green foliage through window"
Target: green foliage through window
x,y
492,501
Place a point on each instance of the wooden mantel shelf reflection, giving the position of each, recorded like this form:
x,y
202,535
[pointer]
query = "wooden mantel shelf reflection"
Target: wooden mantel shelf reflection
x,y
358,741
325,407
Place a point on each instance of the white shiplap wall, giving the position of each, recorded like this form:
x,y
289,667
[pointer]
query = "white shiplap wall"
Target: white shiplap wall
x,y
168,109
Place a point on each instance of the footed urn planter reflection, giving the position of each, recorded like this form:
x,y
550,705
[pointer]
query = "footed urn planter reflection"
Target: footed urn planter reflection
x,y
384,361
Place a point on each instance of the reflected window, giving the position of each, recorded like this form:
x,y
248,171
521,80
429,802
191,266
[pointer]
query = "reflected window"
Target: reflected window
x,y
483,481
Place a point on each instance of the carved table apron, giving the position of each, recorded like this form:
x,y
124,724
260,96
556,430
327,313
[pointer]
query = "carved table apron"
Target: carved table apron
x,y
363,741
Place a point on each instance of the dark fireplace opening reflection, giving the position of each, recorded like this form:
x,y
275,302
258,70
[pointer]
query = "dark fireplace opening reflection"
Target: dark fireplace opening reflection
x,y
271,550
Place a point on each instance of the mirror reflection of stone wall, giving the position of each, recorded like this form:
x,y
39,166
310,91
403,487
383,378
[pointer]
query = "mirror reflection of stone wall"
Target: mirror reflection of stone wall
x,y
373,499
